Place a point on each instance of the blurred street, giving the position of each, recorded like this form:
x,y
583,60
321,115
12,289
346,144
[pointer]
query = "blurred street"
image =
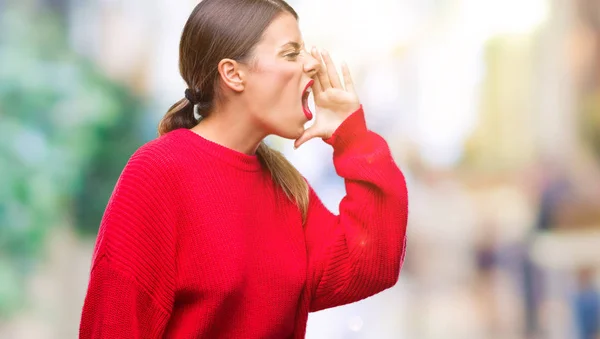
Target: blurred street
x,y
491,109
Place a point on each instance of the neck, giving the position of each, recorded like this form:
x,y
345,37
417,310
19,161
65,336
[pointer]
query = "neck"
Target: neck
x,y
231,127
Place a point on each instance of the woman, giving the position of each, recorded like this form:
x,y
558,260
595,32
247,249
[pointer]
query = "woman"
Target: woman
x,y
211,234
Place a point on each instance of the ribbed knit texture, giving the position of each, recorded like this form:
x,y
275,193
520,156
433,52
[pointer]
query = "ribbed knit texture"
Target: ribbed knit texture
x,y
198,242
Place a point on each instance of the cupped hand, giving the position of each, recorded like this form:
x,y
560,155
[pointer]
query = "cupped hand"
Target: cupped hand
x,y
334,101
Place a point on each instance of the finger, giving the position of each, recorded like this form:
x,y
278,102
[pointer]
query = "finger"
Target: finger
x,y
348,82
334,77
322,73
317,88
306,136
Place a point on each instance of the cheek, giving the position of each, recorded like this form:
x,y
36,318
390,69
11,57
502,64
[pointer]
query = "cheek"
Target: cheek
x,y
280,79
280,93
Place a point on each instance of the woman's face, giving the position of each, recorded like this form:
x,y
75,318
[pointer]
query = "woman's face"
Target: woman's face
x,y
279,78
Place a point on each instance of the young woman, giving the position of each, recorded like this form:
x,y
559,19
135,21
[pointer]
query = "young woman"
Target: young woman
x,y
211,234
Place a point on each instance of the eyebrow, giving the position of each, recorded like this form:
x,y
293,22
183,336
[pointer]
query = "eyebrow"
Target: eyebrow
x,y
292,44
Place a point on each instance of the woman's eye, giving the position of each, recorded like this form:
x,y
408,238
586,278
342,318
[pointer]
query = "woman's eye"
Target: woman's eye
x,y
292,55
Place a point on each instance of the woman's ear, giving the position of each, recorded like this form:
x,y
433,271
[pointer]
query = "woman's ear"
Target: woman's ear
x,y
232,74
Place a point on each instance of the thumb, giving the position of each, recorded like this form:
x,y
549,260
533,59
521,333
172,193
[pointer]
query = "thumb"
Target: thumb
x,y
308,134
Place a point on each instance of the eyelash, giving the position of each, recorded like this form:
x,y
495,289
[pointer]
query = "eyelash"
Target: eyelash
x,y
293,55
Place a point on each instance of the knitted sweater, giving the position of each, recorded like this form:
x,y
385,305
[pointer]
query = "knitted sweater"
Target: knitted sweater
x,y
198,242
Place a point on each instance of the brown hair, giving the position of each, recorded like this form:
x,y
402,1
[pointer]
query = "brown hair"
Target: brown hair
x,y
219,29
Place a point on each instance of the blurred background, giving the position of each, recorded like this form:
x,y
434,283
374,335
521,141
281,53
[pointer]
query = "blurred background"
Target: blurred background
x,y
491,108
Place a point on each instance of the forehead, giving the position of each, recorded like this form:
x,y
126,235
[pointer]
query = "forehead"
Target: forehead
x,y
283,29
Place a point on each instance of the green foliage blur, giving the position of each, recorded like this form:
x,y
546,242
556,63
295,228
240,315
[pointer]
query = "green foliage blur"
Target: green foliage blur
x,y
66,131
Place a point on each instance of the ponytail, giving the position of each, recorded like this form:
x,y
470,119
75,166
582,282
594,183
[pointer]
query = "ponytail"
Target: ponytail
x,y
180,115
286,176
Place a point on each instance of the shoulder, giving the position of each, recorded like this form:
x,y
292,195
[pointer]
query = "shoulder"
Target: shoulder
x,y
144,203
164,149
157,163
161,156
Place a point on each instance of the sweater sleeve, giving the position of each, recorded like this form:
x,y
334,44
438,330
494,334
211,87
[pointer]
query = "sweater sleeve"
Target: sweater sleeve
x,y
359,252
131,287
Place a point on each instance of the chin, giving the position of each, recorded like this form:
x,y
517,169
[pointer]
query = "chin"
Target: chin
x,y
290,128
292,134
299,133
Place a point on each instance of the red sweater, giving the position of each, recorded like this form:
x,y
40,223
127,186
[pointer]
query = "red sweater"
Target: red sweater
x,y
197,242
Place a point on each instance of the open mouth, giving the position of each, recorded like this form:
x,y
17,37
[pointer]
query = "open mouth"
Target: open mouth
x,y
305,94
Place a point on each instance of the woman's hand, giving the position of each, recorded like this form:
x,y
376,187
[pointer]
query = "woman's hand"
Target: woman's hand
x,y
334,102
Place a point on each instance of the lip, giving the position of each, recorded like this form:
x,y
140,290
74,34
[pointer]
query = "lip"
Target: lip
x,y
306,110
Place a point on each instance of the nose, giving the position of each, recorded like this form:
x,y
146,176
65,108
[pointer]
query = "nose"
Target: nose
x,y
312,65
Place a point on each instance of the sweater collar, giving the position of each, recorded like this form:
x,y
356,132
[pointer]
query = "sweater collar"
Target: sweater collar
x,y
232,157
